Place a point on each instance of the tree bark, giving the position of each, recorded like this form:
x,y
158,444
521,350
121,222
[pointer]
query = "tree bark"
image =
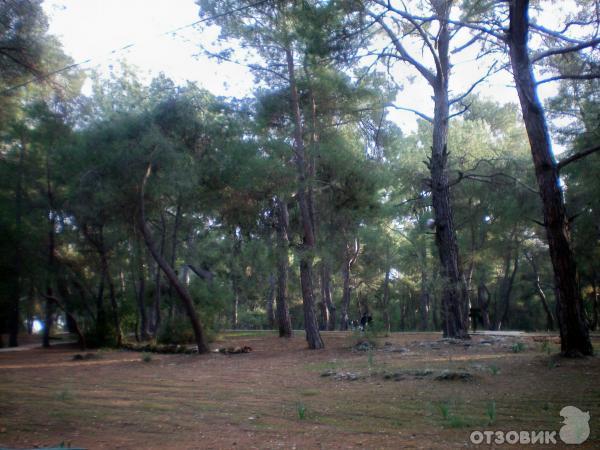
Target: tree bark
x,y
350,256
454,324
313,337
483,302
575,339
15,315
49,309
283,316
326,289
386,301
270,301
186,299
141,292
506,287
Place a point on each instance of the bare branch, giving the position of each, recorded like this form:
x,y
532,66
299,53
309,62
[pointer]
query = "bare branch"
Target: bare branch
x,y
561,51
474,85
577,156
585,76
404,55
418,113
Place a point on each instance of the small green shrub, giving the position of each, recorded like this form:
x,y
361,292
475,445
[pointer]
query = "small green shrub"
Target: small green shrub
x,y
444,409
146,357
518,347
490,412
177,331
64,395
301,410
494,369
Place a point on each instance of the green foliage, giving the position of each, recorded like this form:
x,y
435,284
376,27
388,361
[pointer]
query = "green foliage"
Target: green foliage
x,y
301,410
146,357
490,412
518,347
494,369
176,331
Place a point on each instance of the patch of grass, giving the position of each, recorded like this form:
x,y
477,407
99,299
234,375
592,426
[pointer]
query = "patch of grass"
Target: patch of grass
x,y
370,359
518,347
310,393
301,410
458,422
146,357
546,347
494,369
490,412
444,409
64,395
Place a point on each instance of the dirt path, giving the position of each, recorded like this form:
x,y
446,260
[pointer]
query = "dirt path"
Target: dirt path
x,y
284,396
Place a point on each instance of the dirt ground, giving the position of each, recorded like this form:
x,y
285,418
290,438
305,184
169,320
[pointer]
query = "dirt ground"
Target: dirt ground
x,y
282,395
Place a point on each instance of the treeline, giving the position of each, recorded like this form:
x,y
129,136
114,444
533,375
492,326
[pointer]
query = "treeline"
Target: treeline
x,y
159,211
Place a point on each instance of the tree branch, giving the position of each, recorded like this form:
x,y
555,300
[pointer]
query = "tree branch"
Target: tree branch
x,y
562,51
418,113
585,76
577,156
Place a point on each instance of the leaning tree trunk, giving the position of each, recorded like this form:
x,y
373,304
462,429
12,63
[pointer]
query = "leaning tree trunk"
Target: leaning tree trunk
x,y
49,307
283,316
313,337
575,339
186,298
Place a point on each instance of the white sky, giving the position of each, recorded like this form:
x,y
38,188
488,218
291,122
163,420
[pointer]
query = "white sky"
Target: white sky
x,y
92,29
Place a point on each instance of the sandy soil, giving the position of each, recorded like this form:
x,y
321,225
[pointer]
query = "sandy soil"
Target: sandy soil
x,y
278,396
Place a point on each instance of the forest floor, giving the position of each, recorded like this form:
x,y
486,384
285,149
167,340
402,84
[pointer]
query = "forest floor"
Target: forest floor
x,y
282,395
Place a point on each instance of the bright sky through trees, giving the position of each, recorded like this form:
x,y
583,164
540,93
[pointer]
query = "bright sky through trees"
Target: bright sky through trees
x,y
93,29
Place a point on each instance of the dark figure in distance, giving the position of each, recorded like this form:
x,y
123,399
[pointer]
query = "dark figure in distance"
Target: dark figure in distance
x,y
475,315
365,320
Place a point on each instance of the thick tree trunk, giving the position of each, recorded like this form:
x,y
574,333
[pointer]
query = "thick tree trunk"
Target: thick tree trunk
x,y
283,316
594,296
575,339
186,299
454,323
313,337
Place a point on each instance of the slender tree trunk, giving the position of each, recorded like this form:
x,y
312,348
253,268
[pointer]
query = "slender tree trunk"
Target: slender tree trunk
x,y
326,288
15,315
594,295
313,337
506,289
270,301
235,277
575,339
157,284
350,256
49,309
424,301
483,302
186,299
173,254
540,292
283,316
141,292
386,301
